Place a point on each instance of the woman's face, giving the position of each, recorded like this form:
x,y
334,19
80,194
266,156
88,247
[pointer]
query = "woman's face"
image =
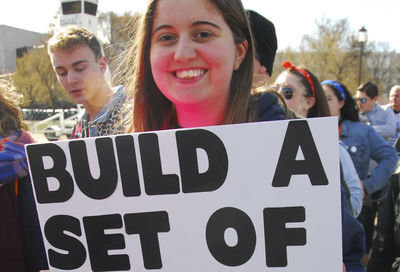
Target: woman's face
x,y
294,92
193,54
333,102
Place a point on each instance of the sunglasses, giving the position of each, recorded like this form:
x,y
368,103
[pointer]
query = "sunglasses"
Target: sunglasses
x,y
362,100
286,91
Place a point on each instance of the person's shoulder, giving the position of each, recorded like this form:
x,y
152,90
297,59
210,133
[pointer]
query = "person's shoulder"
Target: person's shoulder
x,y
354,126
118,92
387,107
269,107
118,89
26,137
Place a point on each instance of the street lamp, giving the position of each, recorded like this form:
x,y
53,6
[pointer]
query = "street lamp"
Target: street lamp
x,y
362,40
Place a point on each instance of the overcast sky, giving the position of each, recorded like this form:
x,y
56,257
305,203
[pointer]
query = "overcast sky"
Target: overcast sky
x,y
292,18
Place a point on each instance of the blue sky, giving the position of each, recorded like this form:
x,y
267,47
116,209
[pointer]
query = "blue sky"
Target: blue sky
x,y
292,18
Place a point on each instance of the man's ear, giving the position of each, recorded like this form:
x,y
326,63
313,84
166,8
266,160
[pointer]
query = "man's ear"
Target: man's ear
x,y
102,61
375,99
241,51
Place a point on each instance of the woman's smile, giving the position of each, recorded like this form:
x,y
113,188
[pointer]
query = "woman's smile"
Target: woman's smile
x,y
189,74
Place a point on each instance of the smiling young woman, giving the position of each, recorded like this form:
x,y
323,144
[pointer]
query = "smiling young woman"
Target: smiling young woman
x,y
191,64
193,67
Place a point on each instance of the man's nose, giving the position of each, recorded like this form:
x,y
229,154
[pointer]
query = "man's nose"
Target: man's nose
x,y
72,78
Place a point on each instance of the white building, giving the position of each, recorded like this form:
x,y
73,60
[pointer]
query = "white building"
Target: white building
x,y
79,12
14,41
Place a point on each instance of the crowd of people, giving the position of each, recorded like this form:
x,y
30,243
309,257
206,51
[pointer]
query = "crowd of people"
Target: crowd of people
x,y
209,66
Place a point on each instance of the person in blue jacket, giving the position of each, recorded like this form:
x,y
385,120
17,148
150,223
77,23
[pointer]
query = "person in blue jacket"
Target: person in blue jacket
x,y
363,144
371,113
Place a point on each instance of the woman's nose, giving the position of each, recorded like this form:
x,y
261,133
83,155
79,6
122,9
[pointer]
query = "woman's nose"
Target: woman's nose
x,y
185,49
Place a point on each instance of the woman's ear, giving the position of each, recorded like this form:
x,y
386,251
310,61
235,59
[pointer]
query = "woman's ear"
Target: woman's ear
x,y
341,104
310,101
241,51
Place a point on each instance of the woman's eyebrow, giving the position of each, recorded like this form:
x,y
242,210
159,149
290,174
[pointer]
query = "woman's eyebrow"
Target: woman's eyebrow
x,y
161,27
205,23
194,24
197,23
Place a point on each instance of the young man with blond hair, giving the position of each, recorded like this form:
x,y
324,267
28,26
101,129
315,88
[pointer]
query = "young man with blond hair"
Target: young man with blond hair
x,y
77,58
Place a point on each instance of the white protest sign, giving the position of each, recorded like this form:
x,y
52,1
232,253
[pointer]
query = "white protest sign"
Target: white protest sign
x,y
248,197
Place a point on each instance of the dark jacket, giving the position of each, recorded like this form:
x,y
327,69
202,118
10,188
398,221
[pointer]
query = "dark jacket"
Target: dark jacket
x,y
11,253
353,239
268,108
34,251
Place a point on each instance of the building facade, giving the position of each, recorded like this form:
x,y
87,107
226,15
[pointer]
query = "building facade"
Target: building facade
x,y
13,43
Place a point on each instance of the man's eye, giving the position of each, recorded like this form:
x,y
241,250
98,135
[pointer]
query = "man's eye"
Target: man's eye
x,y
80,68
61,74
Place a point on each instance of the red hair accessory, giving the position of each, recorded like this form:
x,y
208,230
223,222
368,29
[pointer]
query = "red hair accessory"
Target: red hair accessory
x,y
290,66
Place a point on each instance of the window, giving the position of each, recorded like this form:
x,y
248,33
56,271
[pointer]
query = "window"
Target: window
x,y
72,7
90,8
22,51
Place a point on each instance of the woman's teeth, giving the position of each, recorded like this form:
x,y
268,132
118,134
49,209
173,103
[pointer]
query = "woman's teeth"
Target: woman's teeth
x,y
187,74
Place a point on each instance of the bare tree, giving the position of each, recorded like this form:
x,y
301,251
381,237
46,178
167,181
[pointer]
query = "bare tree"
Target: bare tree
x,y
383,66
332,52
119,30
36,80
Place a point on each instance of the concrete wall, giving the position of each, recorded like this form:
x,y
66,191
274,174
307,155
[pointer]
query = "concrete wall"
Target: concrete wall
x,y
12,38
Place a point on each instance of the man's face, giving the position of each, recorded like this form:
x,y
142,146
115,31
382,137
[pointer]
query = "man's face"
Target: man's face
x,y
78,71
364,102
395,99
260,74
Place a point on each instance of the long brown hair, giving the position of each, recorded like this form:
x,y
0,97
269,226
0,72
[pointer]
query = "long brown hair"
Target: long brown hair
x,y
10,113
152,110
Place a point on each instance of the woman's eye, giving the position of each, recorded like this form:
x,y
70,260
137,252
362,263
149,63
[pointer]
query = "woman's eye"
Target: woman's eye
x,y
166,37
203,34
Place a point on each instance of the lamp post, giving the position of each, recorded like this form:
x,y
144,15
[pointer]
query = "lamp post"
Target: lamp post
x,y
362,40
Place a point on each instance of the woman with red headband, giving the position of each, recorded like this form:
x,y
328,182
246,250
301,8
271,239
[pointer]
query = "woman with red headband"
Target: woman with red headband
x,y
304,95
302,91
